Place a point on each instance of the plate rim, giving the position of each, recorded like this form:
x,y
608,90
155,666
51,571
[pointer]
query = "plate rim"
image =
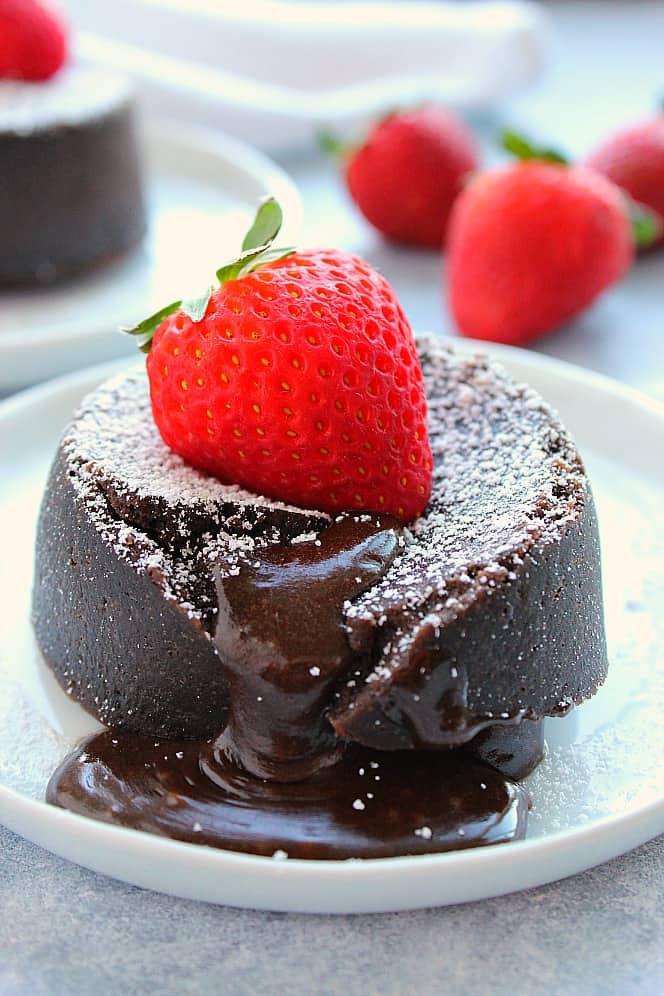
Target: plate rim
x,y
604,836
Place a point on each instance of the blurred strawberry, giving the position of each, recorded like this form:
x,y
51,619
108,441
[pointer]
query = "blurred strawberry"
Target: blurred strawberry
x,y
532,244
634,159
33,43
407,174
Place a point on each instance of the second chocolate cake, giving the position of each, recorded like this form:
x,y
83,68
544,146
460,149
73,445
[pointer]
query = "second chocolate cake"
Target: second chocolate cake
x,y
70,179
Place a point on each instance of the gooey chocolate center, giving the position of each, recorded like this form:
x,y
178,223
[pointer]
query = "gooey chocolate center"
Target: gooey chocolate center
x,y
280,634
277,779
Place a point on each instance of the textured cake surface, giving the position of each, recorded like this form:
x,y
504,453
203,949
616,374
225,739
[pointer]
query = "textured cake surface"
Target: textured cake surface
x,y
490,612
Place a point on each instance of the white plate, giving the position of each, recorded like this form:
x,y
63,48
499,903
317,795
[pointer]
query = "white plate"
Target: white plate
x,y
202,190
597,794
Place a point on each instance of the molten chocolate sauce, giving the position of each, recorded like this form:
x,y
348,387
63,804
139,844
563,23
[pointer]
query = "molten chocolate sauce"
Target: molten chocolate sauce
x,y
280,635
277,779
370,804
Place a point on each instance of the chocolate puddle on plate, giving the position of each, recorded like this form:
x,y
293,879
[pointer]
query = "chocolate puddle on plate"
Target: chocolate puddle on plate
x,y
277,781
370,804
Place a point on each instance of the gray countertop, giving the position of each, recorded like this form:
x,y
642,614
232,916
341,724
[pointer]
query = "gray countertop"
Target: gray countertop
x,y
64,930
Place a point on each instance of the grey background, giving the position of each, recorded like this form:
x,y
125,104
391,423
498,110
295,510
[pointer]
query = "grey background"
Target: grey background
x,y
64,930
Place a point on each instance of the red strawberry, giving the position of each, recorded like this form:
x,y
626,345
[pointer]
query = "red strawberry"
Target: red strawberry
x,y
406,176
532,244
297,378
32,41
634,160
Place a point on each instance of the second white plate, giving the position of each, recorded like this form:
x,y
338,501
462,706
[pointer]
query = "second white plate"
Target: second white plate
x,y
202,190
597,793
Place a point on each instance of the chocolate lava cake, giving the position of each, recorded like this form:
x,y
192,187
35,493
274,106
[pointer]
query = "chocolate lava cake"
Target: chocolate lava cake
x,y
70,184
155,584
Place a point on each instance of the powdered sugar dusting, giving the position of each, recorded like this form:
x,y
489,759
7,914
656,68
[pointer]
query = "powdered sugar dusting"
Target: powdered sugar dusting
x,y
498,461
506,476
168,519
114,430
74,95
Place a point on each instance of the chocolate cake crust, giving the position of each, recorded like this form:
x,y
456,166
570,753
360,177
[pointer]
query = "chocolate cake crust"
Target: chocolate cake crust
x,y
490,612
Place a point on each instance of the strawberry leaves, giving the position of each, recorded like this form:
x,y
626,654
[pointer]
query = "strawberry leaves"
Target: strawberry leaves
x,y
145,330
333,146
267,225
195,307
646,224
257,250
525,150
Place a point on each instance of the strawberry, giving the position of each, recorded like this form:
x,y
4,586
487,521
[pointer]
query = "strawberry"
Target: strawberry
x,y
296,378
634,160
532,244
407,174
33,42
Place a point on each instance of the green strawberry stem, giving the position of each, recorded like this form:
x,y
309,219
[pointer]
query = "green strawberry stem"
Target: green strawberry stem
x,y
646,224
525,150
257,250
333,146
339,148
